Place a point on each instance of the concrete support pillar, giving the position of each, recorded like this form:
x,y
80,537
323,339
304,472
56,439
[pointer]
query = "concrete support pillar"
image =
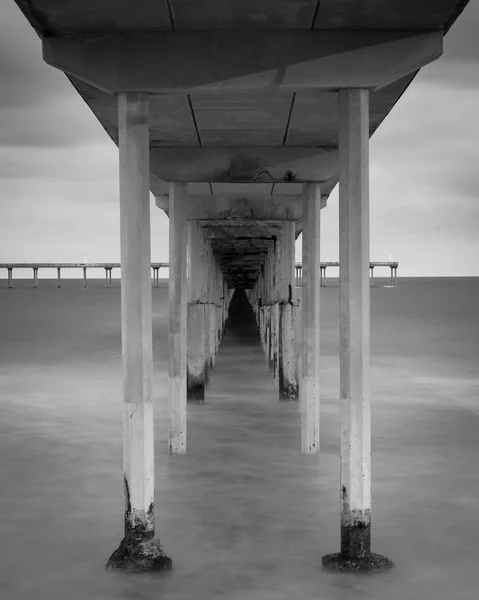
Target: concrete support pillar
x,y
268,301
276,293
372,275
10,277
139,550
35,277
196,364
178,317
309,388
84,277
287,367
106,275
355,470
58,277
298,275
207,252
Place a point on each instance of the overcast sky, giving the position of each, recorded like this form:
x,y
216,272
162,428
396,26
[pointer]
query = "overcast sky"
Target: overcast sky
x,y
59,169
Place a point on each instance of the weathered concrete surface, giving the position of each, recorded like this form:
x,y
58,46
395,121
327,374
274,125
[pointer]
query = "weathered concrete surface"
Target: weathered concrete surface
x,y
241,60
139,550
309,386
177,319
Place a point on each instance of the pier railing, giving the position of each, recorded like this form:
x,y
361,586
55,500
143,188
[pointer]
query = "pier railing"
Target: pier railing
x,y
393,266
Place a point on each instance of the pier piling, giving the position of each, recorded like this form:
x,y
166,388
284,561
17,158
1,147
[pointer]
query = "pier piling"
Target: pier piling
x,y
139,550
354,292
177,318
309,385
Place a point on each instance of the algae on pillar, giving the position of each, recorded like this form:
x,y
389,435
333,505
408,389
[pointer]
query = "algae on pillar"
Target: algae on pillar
x,y
139,550
354,293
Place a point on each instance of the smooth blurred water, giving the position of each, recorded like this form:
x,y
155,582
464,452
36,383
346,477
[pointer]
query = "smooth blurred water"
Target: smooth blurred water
x,y
243,515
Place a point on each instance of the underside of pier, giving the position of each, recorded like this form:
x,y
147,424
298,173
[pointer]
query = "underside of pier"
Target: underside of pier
x,y
241,116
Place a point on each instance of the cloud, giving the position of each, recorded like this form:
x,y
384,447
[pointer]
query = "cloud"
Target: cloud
x,y
59,169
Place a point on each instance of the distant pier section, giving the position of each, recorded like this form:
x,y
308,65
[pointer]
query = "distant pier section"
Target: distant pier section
x,y
393,266
59,266
324,265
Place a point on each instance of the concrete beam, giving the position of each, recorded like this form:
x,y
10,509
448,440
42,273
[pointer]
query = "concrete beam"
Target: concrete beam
x,y
229,60
266,208
354,325
258,164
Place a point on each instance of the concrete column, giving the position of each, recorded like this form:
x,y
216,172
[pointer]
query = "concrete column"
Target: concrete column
x,y
106,276
178,317
309,389
211,305
35,277
196,313
288,383
139,550
84,277
10,277
355,470
372,275
207,251
279,292
58,277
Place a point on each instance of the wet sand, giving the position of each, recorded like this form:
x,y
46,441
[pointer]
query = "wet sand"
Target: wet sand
x,y
243,515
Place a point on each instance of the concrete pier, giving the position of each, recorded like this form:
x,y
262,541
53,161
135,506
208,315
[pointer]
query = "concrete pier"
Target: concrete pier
x,y
393,266
355,376
177,319
139,550
309,387
245,143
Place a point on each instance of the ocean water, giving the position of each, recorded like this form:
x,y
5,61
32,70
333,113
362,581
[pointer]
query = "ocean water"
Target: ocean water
x,y
243,515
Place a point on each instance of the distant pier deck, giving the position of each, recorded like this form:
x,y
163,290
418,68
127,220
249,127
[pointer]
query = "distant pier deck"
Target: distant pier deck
x,y
324,265
156,270
59,266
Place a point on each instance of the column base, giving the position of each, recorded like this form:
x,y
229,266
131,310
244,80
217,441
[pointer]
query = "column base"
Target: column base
x,y
374,563
288,392
196,393
140,557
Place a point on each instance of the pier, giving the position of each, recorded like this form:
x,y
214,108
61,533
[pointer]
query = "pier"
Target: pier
x,y
84,266
156,270
241,120
324,265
